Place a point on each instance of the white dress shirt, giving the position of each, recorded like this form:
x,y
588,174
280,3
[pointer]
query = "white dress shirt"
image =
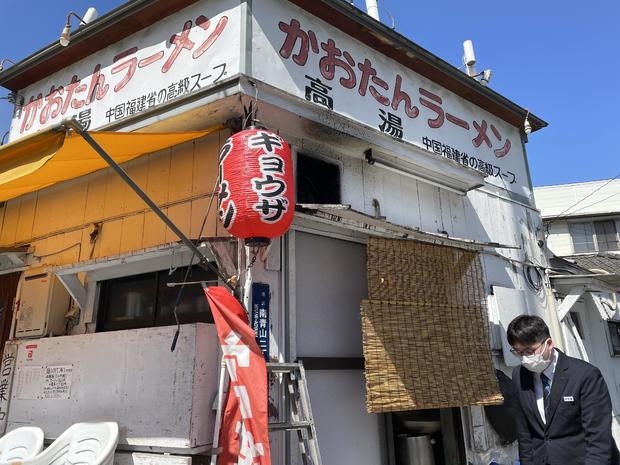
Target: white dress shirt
x,y
538,387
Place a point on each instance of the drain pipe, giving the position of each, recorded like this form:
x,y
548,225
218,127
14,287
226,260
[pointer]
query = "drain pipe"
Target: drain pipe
x,y
372,9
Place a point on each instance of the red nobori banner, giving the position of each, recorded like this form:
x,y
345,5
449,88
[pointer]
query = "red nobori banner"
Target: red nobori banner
x,y
244,437
257,195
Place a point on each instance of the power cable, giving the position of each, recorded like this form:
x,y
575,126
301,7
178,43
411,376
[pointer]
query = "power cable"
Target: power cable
x,y
598,201
189,268
556,218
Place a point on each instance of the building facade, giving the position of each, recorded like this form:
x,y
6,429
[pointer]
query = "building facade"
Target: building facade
x,y
391,146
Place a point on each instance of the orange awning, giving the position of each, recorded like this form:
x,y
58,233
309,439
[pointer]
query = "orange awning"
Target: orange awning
x,y
55,155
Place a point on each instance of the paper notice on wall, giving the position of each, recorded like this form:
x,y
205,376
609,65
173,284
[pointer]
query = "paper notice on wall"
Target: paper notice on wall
x,y
57,383
29,381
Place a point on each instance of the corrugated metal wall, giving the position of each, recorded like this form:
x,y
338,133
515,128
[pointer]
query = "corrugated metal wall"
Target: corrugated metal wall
x,y
57,221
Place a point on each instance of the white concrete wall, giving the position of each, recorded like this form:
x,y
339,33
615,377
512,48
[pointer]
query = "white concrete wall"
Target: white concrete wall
x,y
597,348
558,238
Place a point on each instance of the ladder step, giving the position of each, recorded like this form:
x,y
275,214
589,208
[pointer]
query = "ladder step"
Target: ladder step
x,y
273,367
289,426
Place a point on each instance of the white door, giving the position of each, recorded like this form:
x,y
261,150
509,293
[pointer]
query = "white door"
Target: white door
x,y
330,282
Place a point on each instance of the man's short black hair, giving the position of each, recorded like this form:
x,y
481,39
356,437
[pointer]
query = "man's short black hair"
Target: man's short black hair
x,y
527,329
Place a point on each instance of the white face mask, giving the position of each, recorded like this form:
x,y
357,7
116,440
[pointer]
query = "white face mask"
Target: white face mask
x,y
536,363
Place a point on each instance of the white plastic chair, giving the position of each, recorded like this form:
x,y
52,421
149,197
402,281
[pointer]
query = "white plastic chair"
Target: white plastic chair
x,y
21,444
81,443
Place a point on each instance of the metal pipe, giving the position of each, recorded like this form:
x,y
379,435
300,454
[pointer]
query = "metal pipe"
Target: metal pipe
x,y
372,9
73,124
215,449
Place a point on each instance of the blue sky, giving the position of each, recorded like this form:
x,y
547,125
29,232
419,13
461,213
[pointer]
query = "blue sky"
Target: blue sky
x,y
557,58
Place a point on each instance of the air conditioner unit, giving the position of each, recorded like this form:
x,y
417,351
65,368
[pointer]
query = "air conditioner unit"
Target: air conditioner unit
x,y
43,304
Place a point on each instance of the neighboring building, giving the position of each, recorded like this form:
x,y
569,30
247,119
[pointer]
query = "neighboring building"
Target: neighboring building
x,y
413,197
582,225
582,220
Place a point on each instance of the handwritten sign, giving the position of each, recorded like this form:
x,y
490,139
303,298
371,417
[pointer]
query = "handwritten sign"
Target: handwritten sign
x,y
7,369
57,384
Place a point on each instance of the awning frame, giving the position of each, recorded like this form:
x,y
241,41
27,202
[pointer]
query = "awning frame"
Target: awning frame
x,y
18,256
336,214
71,125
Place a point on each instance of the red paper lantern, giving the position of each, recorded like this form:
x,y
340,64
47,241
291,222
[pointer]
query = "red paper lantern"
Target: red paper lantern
x,y
256,195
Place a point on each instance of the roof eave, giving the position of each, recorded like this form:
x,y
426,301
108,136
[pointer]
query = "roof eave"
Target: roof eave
x,y
412,49
12,78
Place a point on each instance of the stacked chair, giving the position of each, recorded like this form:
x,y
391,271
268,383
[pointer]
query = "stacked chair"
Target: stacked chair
x,y
21,444
83,443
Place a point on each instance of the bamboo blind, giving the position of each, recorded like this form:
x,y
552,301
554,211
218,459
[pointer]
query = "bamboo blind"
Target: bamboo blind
x,y
425,328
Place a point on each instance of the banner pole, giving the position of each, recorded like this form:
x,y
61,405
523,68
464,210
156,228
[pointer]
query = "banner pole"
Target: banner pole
x,y
218,413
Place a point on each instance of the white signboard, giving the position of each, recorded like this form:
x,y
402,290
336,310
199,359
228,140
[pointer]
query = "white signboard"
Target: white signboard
x,y
192,49
44,382
29,382
304,56
57,383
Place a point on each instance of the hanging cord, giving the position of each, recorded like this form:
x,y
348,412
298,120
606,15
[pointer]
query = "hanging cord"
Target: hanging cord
x,y
536,282
251,111
189,268
248,277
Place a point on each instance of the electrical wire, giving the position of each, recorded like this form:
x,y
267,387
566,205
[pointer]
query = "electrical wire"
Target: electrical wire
x,y
189,268
69,247
598,201
579,201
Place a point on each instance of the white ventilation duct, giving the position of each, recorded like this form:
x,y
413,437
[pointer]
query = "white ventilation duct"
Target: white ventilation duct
x,y
90,15
469,57
372,9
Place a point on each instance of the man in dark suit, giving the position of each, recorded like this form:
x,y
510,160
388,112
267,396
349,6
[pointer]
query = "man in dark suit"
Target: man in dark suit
x,y
564,415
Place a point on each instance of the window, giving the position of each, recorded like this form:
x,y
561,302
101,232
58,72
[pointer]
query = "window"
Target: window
x,y
317,181
606,235
614,337
145,300
583,239
594,236
577,322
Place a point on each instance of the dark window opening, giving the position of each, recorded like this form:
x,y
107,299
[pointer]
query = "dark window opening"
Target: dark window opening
x,y
614,337
577,322
144,300
317,181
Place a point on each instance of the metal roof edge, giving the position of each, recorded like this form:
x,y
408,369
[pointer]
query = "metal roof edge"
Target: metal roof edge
x,y
96,26
400,40
371,26
81,34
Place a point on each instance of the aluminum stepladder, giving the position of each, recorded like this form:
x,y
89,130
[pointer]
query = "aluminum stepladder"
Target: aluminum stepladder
x,y
300,412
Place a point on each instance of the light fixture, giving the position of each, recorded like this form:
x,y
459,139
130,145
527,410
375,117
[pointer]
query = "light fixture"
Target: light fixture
x,y
484,76
527,127
14,98
3,61
439,173
65,36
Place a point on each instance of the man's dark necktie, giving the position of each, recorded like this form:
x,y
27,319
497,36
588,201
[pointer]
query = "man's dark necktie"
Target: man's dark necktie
x,y
546,384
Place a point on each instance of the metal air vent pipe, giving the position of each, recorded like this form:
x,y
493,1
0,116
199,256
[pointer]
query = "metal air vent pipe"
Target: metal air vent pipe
x,y
372,9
